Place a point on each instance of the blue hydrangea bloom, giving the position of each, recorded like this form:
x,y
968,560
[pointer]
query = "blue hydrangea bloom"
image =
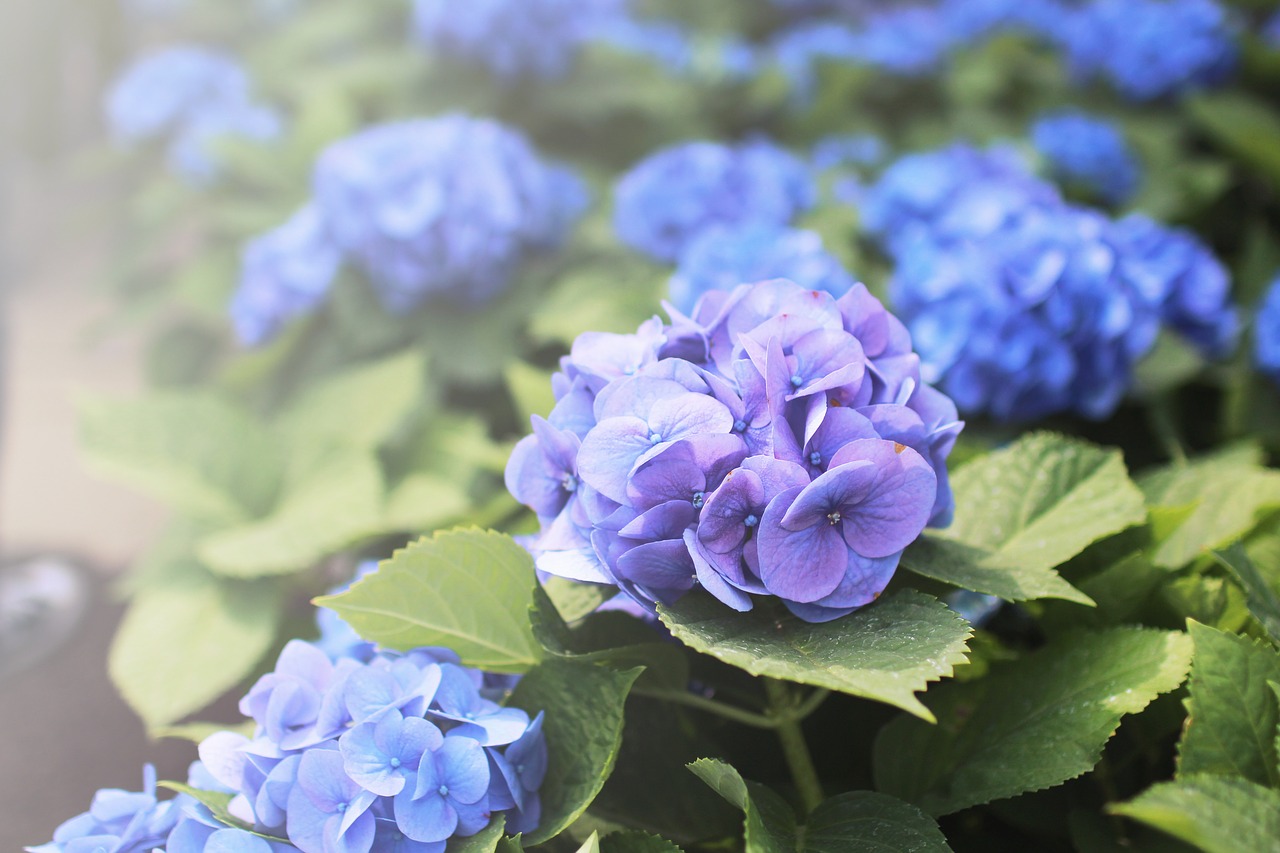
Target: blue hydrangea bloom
x,y
1088,152
770,428
285,273
337,638
118,822
1266,333
446,206
668,199
665,42
847,149
723,258
1271,30
191,97
1152,48
514,38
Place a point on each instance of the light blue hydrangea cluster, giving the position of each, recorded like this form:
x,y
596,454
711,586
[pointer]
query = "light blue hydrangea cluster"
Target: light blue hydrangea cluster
x,y
673,196
1088,152
445,207
187,97
1266,333
514,39
1022,305
774,442
847,149
1271,30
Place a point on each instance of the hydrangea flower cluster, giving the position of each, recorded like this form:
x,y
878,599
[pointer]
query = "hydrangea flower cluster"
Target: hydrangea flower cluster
x,y
1266,333
847,149
514,38
671,197
776,441
118,821
1088,152
190,97
1024,306
723,258
444,207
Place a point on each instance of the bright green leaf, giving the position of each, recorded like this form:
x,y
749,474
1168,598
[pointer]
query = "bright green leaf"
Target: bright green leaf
x,y
1215,814
1264,604
360,406
886,651
867,822
217,803
1025,509
583,726
591,845
469,590
770,825
575,600
1247,127
530,387
1028,725
1231,713
636,842
484,841
425,502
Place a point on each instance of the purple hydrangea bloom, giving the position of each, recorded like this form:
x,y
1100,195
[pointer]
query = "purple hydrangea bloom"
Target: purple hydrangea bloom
x,y
723,258
514,38
191,97
1088,152
285,273
667,200
1271,30
770,420
446,206
1266,334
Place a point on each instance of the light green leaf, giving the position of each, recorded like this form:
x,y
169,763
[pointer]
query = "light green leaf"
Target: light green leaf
x,y
197,732
196,452
1231,713
1028,725
425,502
583,726
886,651
217,803
575,600
469,590
1025,509
770,825
867,822
331,507
1243,125
615,298
1215,814
530,387
636,842
360,406
1264,604
188,639
484,841
591,845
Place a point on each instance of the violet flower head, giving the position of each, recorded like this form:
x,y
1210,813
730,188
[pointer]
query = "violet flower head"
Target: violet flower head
x,y
774,441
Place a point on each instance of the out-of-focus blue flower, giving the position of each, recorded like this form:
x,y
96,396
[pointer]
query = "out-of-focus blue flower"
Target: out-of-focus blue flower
x,y
117,822
285,273
446,206
1271,30
192,97
855,149
771,427
971,20
976,608
667,200
1266,333
723,258
1152,48
665,42
514,38
1088,152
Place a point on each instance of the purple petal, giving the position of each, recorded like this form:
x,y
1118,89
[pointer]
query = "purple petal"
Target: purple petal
x,y
659,566
665,521
896,507
826,500
721,526
711,580
465,768
610,451
802,565
426,818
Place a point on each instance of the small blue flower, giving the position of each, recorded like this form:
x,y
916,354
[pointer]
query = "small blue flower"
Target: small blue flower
x,y
328,810
450,793
117,822
1088,152
1266,334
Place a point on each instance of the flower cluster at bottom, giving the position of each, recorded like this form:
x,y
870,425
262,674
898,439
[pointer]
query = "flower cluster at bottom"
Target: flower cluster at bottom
x,y
402,752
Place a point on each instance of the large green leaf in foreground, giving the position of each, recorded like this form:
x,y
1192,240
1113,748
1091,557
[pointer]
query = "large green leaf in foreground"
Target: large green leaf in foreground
x,y
1215,814
1024,510
469,590
1028,725
867,822
886,651
769,823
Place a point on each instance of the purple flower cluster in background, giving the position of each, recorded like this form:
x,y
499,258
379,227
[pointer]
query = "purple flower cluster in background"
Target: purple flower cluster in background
x,y
188,97
1022,305
1266,333
1087,152
776,441
445,207
671,197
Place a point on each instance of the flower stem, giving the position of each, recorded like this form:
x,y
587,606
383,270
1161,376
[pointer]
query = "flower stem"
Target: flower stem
x,y
783,708
711,706
1165,427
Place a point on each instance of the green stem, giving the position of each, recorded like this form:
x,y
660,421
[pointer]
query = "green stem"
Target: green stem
x,y
794,747
711,706
1166,430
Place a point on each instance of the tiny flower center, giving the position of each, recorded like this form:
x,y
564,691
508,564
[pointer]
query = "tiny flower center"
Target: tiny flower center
x,y
797,381
519,769
569,483
654,438
834,517
395,762
739,425
342,807
751,520
698,499
815,458
443,790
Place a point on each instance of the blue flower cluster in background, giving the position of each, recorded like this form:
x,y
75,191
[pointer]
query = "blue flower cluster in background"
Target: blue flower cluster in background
x,y
1022,305
1088,152
671,197
775,442
1266,333
189,98
444,207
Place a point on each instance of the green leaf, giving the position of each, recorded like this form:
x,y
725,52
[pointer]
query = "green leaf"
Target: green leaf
x,y
469,590
770,825
887,651
867,822
360,406
1245,126
484,841
591,845
1025,509
1028,725
196,452
188,639
425,502
575,600
530,388
217,803
636,842
1231,713
1215,814
197,732
583,726
1264,604
330,508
